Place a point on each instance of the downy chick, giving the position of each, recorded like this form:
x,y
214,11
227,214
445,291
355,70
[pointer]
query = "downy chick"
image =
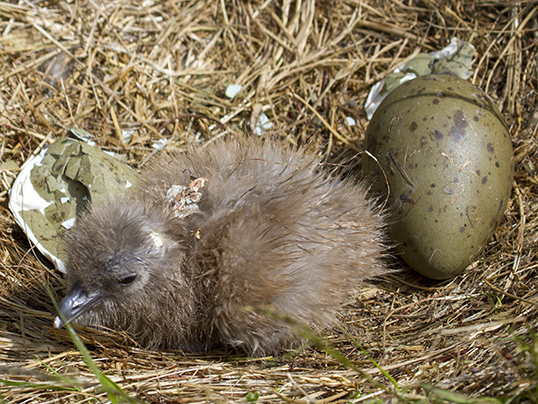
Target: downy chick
x,y
215,230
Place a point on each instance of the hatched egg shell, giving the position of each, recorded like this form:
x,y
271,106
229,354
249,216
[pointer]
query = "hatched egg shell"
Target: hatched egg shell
x,y
448,159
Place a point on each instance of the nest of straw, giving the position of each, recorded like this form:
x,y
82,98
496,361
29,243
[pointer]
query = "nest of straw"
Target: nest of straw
x,y
158,70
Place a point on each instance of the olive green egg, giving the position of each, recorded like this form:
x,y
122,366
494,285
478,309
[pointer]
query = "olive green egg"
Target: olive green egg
x,y
444,165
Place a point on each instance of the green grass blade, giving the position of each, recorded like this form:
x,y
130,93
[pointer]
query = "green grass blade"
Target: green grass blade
x,y
457,398
112,390
59,376
356,343
304,331
37,386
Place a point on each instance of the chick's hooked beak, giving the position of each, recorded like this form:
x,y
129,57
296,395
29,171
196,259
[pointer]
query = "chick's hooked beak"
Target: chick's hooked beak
x,y
76,303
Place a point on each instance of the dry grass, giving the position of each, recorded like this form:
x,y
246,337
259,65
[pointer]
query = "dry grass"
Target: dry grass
x,y
160,70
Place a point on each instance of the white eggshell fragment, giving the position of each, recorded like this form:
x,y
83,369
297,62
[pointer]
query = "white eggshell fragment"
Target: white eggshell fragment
x,y
232,90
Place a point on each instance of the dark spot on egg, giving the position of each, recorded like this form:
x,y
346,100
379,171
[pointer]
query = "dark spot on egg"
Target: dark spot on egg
x,y
459,128
484,180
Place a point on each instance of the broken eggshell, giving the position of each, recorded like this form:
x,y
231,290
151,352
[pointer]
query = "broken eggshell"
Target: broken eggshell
x,y
444,161
456,59
55,184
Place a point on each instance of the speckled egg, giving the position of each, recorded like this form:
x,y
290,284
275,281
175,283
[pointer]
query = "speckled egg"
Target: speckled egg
x,y
445,160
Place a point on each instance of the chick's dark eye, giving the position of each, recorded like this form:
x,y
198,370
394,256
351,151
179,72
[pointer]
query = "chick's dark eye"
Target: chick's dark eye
x,y
127,280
